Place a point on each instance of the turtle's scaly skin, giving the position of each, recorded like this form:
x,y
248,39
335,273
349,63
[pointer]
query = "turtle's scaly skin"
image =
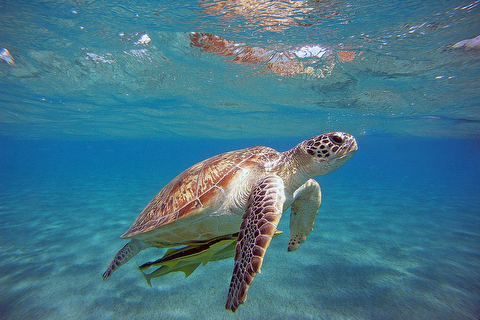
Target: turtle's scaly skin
x,y
245,192
260,221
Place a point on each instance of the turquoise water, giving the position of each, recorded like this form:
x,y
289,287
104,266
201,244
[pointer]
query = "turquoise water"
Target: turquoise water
x,y
95,118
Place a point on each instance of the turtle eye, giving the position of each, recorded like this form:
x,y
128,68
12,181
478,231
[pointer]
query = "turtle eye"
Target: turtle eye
x,y
336,139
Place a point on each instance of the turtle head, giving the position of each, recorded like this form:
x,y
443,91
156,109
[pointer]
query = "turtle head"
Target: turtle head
x,y
327,152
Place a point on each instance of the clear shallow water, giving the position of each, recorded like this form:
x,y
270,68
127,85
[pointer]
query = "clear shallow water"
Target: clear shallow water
x,y
397,235
91,131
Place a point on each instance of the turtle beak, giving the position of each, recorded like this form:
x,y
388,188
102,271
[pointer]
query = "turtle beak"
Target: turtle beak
x,y
350,147
353,146
350,143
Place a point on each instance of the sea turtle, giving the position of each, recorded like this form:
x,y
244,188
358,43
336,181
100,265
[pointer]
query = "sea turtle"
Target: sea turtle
x,y
238,195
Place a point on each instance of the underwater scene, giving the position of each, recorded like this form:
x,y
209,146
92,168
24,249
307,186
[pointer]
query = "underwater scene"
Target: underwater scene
x,y
103,103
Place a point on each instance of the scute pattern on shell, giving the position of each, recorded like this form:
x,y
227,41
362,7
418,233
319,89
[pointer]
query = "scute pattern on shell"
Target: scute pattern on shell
x,y
195,187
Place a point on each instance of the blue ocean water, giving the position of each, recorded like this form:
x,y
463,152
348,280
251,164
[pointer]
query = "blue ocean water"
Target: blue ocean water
x,y
103,103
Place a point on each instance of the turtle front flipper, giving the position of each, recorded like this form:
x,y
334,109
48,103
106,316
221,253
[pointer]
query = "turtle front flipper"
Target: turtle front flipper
x,y
304,211
123,255
262,214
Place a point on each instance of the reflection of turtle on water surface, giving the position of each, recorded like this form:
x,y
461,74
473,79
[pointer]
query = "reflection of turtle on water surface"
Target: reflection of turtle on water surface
x,y
230,205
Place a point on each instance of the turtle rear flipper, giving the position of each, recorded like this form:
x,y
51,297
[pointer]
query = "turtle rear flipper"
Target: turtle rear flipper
x,y
126,253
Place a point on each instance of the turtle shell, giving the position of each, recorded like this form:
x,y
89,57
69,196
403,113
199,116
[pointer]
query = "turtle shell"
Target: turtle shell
x,y
197,191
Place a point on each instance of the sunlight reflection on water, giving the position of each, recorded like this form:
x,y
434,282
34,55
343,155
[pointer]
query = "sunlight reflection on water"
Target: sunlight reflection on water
x,y
196,68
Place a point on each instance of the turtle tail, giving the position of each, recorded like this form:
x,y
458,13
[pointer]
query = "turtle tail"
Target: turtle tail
x,y
122,256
